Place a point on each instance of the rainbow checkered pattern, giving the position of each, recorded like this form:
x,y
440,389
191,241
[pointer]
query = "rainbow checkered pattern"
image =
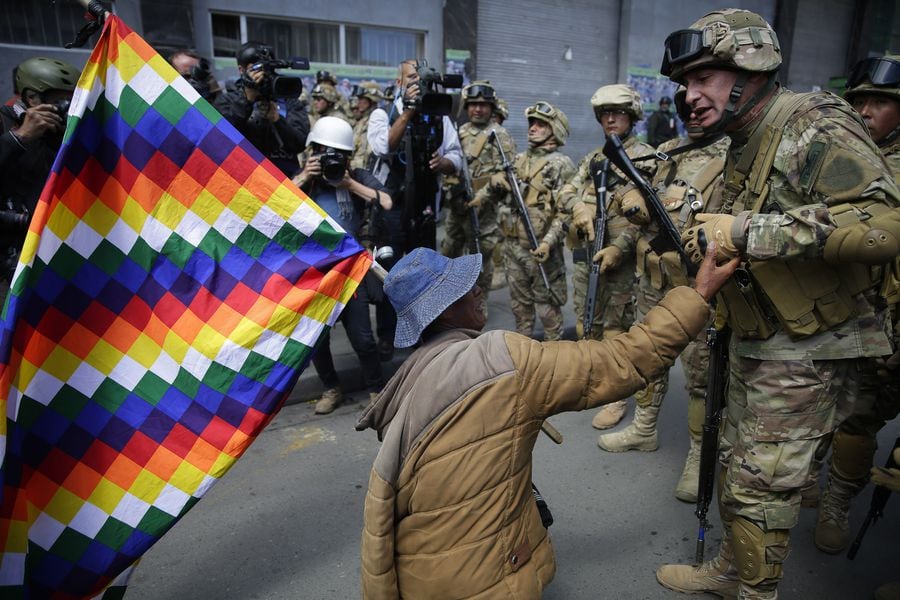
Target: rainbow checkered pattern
x,y
171,289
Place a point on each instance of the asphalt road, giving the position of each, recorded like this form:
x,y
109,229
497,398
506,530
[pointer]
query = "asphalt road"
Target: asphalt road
x,y
285,522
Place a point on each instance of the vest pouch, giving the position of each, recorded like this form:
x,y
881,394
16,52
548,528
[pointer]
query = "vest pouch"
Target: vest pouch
x,y
641,252
674,269
890,286
807,296
674,197
654,270
745,315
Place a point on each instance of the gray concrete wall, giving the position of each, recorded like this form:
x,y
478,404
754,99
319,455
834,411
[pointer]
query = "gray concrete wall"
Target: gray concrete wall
x,y
819,49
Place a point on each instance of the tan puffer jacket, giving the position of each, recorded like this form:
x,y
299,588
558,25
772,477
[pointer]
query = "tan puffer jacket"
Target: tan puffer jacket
x,y
449,511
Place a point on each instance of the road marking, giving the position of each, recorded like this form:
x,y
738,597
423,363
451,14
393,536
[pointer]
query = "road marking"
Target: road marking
x,y
303,437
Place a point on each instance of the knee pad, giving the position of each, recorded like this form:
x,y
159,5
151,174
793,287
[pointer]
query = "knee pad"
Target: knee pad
x,y
852,455
758,554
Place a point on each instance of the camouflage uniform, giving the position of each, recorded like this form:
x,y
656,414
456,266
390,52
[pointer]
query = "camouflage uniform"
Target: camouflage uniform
x,y
541,172
615,300
804,310
361,151
688,183
854,442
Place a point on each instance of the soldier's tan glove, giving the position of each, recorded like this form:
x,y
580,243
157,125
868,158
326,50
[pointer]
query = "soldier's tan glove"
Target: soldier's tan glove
x,y
583,220
609,258
635,208
715,228
477,200
541,253
889,478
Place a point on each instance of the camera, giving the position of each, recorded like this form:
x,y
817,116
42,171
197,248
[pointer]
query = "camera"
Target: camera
x,y
430,100
62,107
273,85
334,165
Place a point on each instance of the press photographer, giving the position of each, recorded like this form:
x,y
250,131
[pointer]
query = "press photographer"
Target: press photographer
x,y
32,132
196,71
353,198
418,142
264,106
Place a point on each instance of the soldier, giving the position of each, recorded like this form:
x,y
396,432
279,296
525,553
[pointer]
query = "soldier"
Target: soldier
x,y
367,97
342,104
325,100
813,213
483,160
689,181
31,132
501,112
661,124
874,92
541,170
617,108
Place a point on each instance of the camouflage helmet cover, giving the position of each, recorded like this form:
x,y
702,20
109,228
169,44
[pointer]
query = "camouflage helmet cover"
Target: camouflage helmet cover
x,y
729,38
370,90
479,91
884,70
554,117
41,74
618,96
326,91
502,108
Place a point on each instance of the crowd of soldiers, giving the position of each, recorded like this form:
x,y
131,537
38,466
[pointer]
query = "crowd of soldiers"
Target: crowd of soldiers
x,y
802,187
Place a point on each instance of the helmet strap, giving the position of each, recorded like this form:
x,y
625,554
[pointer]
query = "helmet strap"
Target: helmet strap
x,y
731,114
890,138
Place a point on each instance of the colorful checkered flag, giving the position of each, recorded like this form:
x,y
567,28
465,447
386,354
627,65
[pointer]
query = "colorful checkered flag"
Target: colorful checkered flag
x,y
170,291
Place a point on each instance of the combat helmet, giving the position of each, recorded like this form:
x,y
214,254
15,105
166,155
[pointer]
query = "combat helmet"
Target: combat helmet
x,y
332,132
546,112
875,76
501,109
479,91
326,91
369,90
730,38
733,39
618,96
41,74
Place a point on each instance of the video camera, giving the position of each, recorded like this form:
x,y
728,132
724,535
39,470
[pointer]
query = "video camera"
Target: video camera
x,y
273,85
430,100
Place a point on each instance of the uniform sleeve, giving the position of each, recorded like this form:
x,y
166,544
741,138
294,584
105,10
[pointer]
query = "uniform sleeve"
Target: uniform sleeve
x,y
564,170
556,377
838,166
571,191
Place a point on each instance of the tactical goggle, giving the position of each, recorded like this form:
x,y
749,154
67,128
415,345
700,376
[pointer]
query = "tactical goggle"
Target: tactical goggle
x,y
681,46
545,109
318,90
881,71
324,76
474,91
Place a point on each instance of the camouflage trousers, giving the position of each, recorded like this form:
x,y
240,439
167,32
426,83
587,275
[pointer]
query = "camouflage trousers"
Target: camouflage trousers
x,y
694,360
527,293
780,414
615,300
458,240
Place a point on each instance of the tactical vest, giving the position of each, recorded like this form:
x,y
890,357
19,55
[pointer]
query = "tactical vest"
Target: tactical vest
x,y
802,297
537,196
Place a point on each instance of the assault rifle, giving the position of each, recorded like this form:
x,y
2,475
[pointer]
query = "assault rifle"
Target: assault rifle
x,y
473,212
669,238
880,497
523,210
717,340
598,176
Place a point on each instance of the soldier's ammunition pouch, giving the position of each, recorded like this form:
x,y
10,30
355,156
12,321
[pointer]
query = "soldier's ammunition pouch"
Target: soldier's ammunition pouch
x,y
746,316
579,255
662,271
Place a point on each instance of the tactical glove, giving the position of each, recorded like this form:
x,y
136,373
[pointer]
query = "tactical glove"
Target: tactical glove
x,y
609,258
635,208
583,220
477,200
542,252
889,478
715,228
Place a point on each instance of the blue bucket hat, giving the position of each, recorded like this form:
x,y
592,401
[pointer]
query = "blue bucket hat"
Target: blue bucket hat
x,y
422,285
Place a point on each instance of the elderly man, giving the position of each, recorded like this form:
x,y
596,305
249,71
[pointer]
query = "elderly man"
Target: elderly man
x,y
450,509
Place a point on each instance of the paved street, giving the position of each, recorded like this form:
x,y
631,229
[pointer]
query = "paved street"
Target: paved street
x,y
285,522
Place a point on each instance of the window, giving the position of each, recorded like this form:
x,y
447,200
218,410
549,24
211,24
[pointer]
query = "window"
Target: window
x,y
382,47
226,31
319,42
41,24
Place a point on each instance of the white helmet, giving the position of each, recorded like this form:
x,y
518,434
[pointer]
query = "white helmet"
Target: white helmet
x,y
333,133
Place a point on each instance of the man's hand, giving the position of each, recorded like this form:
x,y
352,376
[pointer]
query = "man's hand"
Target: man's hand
x,y
609,258
39,120
442,165
541,253
311,170
716,228
410,95
634,207
583,220
712,276
477,200
889,478
251,92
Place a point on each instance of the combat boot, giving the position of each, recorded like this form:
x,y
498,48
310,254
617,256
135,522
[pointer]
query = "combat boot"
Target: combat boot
x,y
686,490
833,525
640,435
609,415
330,400
718,576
